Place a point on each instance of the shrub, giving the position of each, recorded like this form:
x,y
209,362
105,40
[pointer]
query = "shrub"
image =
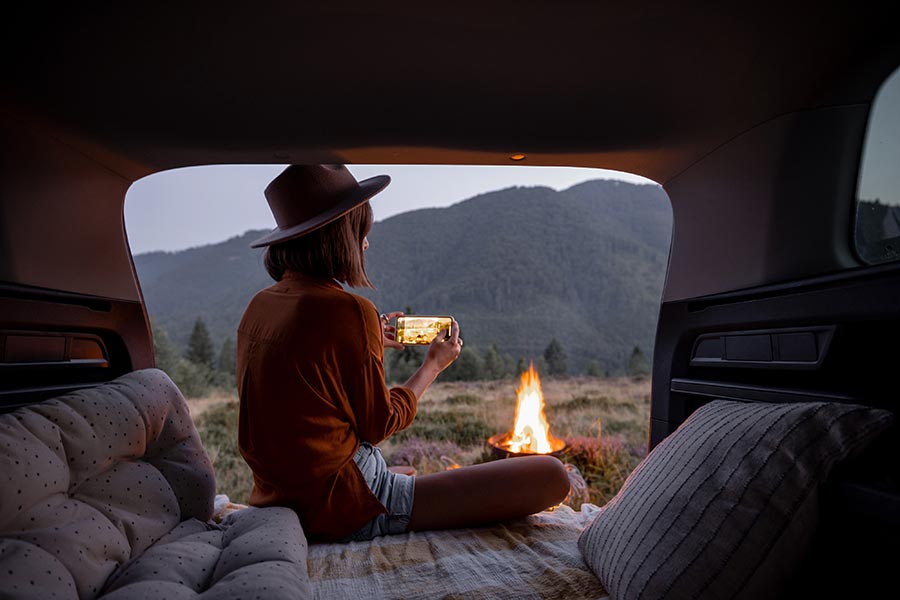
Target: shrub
x,y
626,427
463,429
604,462
467,399
424,455
468,367
218,429
595,370
638,365
582,402
193,379
555,355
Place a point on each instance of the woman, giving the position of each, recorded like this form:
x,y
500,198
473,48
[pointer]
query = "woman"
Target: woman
x,y
311,382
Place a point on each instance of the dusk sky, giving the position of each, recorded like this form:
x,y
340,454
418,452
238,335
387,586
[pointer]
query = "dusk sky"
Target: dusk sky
x,y
195,206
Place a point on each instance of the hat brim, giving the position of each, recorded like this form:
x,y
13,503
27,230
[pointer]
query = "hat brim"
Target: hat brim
x,y
367,188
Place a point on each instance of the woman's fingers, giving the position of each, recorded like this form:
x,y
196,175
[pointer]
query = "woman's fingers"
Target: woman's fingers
x,y
391,343
444,350
388,331
454,332
442,337
455,339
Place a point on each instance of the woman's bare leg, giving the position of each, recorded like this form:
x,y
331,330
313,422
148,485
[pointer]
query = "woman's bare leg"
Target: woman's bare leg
x,y
489,492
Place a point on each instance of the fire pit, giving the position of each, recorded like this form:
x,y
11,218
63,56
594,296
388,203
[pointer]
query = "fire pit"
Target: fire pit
x,y
531,431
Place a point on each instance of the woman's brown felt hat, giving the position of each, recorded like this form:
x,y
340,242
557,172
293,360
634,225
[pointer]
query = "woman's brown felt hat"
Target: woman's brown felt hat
x,y
305,197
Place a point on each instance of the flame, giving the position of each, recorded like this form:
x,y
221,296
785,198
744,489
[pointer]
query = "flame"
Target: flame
x,y
531,430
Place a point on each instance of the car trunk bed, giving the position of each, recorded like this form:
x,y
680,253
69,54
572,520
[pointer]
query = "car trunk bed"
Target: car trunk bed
x,y
535,557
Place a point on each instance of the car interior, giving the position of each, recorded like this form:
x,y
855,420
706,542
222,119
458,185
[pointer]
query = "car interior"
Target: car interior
x,y
754,119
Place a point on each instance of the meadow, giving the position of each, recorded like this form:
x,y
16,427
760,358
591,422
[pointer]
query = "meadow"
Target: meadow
x,y
605,422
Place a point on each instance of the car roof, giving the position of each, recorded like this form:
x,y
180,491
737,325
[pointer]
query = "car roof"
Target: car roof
x,y
646,87
753,118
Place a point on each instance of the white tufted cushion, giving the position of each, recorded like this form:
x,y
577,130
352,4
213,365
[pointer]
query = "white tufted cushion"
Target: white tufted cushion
x,y
91,479
254,553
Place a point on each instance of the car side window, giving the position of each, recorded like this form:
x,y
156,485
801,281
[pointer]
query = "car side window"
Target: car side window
x,y
878,192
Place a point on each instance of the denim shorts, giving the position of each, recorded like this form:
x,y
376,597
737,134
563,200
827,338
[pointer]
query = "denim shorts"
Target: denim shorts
x,y
394,490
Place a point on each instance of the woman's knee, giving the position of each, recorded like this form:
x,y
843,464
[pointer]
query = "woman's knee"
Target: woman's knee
x,y
553,477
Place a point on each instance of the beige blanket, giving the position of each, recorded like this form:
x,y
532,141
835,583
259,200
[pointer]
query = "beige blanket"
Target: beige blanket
x,y
536,557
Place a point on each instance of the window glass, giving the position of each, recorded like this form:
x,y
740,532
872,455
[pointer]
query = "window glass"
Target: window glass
x,y
878,194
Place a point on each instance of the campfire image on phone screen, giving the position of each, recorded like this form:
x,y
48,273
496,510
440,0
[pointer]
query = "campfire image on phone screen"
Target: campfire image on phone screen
x,y
421,329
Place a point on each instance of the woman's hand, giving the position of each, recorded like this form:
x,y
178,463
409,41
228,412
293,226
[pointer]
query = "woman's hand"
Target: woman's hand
x,y
441,354
388,331
444,350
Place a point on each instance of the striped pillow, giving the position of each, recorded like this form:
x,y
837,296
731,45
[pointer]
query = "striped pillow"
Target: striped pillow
x,y
726,505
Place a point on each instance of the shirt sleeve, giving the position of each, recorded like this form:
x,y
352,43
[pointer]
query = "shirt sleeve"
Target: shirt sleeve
x,y
379,411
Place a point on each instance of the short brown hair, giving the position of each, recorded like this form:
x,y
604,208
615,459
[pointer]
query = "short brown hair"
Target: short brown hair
x,y
333,251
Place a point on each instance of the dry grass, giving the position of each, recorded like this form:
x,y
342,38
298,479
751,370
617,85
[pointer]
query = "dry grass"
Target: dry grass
x,y
216,397
605,421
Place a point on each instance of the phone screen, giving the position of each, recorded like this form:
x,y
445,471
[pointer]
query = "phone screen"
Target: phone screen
x,y
421,329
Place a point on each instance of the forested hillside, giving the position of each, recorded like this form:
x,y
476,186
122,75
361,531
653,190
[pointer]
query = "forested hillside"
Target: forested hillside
x,y
517,267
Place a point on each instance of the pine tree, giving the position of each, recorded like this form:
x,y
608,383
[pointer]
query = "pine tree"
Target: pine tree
x,y
467,367
227,357
405,362
555,356
493,363
509,366
594,369
200,346
521,366
192,379
637,364
164,351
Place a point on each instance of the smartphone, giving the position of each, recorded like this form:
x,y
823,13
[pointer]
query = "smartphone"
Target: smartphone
x,y
420,329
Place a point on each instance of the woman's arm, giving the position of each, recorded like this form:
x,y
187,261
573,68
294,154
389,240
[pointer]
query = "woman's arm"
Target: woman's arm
x,y
378,410
441,354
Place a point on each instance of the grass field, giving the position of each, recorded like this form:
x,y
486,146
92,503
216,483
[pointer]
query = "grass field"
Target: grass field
x,y
604,421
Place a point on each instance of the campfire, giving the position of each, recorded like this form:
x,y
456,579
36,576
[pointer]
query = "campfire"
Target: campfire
x,y
531,430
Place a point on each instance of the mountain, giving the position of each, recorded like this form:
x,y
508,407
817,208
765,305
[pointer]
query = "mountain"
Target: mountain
x,y
516,267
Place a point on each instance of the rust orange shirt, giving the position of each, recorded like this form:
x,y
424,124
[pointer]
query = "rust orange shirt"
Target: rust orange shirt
x,y
310,375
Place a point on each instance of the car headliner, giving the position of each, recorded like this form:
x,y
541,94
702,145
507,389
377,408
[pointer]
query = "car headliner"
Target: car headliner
x,y
645,87
753,118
